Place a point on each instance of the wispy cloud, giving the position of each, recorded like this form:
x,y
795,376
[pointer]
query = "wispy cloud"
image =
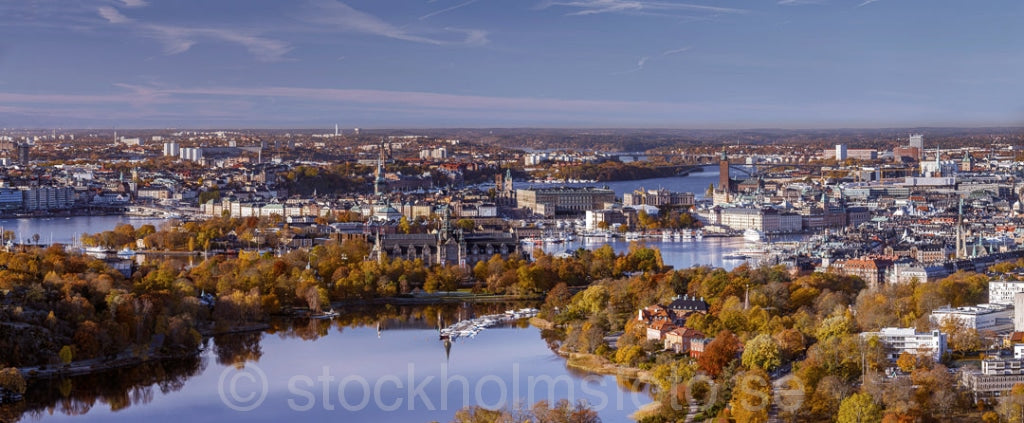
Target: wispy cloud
x,y
799,2
135,3
593,7
676,51
179,39
112,15
447,9
639,66
346,18
867,2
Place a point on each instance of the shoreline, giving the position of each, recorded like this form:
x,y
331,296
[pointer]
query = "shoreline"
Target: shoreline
x,y
129,358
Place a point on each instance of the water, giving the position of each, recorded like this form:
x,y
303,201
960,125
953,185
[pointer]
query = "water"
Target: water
x,y
340,371
696,182
63,229
709,251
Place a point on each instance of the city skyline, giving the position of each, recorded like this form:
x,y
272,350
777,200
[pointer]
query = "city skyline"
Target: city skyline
x,y
480,63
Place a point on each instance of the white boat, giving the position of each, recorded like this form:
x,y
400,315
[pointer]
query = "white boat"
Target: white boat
x,y
126,253
632,236
699,235
687,234
753,235
329,314
666,236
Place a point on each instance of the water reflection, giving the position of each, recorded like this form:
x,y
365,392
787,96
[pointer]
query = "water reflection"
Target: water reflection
x,y
374,342
117,389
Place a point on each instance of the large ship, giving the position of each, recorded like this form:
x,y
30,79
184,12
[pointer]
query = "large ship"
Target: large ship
x,y
753,235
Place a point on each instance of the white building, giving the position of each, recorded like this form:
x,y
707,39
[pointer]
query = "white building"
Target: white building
x,y
899,340
1002,292
192,154
988,317
171,149
840,152
1018,316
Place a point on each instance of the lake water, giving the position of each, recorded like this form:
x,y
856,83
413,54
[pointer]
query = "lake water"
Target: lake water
x,y
696,182
345,370
63,229
709,251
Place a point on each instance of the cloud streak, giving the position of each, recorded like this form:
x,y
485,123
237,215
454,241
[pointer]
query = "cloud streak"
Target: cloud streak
x,y
676,51
179,39
447,9
346,18
595,7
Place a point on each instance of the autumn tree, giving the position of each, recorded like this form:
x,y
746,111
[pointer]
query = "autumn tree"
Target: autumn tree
x,y
12,381
762,352
718,353
751,397
859,408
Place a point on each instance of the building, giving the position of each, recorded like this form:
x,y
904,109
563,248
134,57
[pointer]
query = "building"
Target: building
x,y
564,200
840,152
171,149
1018,316
871,269
191,154
679,339
23,157
657,198
982,317
995,377
447,246
917,141
1003,292
900,340
48,198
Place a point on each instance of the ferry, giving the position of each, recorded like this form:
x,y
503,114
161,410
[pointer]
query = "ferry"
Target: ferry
x,y
126,253
753,235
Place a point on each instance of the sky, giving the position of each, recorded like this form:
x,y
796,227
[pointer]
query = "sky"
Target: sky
x,y
511,63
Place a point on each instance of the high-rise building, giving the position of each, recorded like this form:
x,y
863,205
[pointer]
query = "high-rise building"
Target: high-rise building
x,y
917,141
840,152
171,148
23,154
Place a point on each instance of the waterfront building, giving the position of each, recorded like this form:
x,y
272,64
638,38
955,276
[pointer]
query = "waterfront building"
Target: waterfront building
x,y
900,340
657,197
550,202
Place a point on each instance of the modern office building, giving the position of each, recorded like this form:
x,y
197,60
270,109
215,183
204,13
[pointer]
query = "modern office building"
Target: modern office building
x,y
900,340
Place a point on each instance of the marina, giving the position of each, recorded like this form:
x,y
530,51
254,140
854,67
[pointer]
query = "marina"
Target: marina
x,y
471,327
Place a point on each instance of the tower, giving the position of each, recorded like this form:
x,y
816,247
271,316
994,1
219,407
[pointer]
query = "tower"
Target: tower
x,y
379,178
723,173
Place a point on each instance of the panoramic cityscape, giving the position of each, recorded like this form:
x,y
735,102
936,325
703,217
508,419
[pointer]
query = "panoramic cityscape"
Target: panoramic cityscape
x,y
474,211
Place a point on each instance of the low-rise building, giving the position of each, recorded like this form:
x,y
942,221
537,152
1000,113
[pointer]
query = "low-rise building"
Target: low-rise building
x,y
988,317
995,377
900,340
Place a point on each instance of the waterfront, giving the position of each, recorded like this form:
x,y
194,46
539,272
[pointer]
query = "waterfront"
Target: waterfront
x,y
388,363
63,230
709,251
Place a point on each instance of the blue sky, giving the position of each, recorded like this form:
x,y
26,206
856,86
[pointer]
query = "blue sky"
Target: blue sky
x,y
511,63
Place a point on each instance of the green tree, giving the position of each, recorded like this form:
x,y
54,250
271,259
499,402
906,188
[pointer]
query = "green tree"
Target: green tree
x,y
859,408
762,352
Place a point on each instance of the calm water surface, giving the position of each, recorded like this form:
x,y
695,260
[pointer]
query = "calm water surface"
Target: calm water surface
x,y
63,229
401,373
